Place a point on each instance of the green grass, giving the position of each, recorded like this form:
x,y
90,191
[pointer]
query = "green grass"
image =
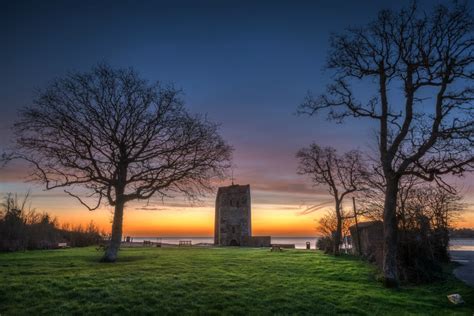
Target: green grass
x,y
210,281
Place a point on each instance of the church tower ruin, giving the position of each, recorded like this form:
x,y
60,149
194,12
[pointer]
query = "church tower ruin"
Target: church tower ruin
x,y
233,216
233,221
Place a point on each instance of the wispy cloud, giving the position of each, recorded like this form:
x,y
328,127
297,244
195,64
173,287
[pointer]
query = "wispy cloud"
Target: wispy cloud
x,y
146,208
314,208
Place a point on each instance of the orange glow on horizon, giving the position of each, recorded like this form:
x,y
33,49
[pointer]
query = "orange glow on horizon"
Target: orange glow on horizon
x,y
199,221
196,221
180,219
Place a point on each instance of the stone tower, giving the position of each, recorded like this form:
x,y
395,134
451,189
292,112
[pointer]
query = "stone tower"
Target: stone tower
x,y
233,216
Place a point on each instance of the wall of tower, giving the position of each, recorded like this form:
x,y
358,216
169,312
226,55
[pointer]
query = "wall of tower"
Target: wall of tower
x,y
233,216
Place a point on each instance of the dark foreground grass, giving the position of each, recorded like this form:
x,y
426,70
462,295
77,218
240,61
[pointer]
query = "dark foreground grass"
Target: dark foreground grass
x,y
209,281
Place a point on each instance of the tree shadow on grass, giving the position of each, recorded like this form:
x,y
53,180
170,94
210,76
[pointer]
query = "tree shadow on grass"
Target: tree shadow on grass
x,y
134,258
97,259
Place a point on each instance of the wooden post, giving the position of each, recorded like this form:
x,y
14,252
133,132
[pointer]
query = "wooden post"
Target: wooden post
x,y
357,225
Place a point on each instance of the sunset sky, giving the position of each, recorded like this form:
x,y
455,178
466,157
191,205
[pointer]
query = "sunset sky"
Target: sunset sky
x,y
245,65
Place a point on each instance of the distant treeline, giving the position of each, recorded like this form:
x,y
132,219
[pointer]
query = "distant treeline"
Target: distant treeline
x,y
22,229
462,233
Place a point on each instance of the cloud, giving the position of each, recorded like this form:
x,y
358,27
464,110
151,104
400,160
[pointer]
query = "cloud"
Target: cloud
x,y
146,208
314,208
15,171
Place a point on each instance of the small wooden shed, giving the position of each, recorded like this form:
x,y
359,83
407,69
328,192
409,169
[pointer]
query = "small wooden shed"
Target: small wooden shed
x,y
371,240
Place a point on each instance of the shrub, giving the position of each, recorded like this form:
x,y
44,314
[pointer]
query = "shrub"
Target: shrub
x,y
22,229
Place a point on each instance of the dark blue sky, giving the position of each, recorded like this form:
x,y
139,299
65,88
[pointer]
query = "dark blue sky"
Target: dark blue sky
x,y
247,64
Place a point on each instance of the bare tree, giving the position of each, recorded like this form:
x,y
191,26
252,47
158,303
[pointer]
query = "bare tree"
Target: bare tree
x,y
417,199
427,130
373,198
341,174
327,226
120,138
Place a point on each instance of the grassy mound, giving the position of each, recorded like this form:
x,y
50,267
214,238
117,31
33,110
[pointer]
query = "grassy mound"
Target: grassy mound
x,y
209,281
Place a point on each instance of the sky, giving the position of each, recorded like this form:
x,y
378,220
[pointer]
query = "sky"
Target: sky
x,y
246,64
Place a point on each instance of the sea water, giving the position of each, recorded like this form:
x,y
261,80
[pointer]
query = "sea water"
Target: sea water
x,y
299,242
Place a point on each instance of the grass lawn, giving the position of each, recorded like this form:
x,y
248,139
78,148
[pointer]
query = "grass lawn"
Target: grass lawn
x,y
209,281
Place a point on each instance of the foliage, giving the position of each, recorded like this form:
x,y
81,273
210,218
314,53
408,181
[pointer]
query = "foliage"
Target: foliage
x,y
342,175
327,226
23,228
425,214
210,281
325,243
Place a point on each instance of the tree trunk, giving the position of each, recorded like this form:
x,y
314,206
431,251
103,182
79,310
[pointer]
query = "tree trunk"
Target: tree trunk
x,y
116,238
337,236
390,230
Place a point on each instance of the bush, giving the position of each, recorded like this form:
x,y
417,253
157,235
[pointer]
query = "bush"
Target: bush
x,y
424,215
28,230
325,244
417,261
